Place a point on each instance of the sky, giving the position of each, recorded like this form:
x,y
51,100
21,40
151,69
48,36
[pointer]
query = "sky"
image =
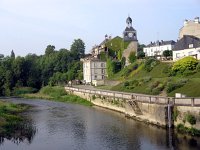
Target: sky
x,y
28,26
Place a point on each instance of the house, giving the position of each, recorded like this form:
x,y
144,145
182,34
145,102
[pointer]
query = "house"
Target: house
x,y
191,27
188,45
157,48
94,71
97,49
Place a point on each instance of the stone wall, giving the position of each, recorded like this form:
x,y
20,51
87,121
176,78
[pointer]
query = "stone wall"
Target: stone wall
x,y
162,111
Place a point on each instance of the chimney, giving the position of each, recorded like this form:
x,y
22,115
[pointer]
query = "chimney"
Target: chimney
x,y
196,20
185,22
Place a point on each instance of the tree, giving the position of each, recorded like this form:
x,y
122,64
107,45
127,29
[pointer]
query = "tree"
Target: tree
x,y
78,49
132,57
12,55
140,54
49,50
167,53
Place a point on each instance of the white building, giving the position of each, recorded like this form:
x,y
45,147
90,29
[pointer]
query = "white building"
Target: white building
x,y
94,71
157,48
187,46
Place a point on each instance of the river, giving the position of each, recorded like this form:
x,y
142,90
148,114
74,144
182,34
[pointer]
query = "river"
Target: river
x,y
61,126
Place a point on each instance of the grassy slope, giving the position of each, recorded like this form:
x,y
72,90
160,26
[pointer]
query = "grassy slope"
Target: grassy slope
x,y
57,94
191,88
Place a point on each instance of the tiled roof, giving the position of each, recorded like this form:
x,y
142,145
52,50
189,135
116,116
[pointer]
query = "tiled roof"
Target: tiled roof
x,y
130,29
161,43
184,42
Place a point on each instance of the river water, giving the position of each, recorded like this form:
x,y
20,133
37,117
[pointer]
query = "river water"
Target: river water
x,y
61,126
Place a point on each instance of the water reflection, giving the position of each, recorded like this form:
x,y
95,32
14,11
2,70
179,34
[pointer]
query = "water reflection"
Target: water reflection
x,y
65,126
22,132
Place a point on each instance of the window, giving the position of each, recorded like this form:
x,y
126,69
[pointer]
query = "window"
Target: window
x,y
191,45
102,71
102,76
95,77
94,64
177,55
102,64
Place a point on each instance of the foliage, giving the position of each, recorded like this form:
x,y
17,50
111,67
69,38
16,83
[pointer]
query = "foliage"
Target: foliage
x,y
190,118
171,86
57,93
175,113
103,56
150,63
78,49
192,131
56,67
132,57
24,90
140,55
112,67
167,53
187,63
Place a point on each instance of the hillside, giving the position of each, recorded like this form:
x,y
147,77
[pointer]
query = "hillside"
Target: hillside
x,y
156,81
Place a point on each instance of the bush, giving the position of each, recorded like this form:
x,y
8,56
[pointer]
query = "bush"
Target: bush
x,y
171,86
132,57
53,91
181,65
150,63
24,90
190,118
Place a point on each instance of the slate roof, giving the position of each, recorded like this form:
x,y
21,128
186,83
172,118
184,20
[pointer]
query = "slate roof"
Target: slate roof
x,y
185,41
161,43
129,29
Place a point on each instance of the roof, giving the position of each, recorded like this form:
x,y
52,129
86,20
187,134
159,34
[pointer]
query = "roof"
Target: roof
x,y
130,29
129,20
161,43
185,41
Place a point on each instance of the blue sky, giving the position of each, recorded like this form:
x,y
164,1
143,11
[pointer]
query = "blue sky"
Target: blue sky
x,y
28,26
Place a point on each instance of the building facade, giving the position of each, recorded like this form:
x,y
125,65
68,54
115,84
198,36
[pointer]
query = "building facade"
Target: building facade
x,y
157,48
191,27
94,71
187,46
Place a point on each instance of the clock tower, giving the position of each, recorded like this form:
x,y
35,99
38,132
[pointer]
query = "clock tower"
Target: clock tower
x,y
129,33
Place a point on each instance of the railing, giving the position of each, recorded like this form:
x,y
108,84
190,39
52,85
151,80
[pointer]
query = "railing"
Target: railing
x,y
140,97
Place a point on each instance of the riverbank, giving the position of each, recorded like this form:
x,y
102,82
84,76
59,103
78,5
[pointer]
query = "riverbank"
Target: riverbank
x,y
10,115
57,93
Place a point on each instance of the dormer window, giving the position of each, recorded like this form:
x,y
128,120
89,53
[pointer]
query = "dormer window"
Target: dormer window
x,y
191,45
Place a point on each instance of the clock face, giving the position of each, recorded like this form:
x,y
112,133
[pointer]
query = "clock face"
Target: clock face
x,y
130,35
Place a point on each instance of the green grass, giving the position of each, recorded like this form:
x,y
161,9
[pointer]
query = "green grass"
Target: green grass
x,y
159,73
57,93
10,115
191,88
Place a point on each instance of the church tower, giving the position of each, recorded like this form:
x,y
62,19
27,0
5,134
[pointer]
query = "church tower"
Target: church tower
x,y
129,33
130,36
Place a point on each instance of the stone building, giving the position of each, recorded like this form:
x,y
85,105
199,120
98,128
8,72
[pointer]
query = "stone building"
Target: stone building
x,y
94,71
130,35
157,48
191,27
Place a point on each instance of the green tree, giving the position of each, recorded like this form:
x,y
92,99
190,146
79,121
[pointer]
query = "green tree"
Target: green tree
x,y
78,49
140,55
167,53
49,50
132,57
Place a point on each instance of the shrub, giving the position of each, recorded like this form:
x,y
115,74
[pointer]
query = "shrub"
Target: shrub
x,y
181,128
190,118
126,83
181,65
24,90
132,57
171,86
150,63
